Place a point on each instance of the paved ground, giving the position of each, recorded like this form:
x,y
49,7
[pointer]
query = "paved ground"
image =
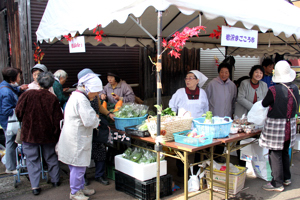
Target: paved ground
x,y
251,191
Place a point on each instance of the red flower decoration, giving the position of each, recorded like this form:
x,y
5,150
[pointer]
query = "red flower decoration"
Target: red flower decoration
x,y
179,40
98,33
68,37
216,33
38,54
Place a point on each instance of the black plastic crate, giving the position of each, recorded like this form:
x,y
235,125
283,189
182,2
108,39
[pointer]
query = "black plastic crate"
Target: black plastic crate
x,y
132,130
145,190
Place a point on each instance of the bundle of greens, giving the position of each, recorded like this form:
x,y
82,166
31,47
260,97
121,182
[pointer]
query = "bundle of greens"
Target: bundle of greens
x,y
167,111
140,155
208,117
142,127
130,110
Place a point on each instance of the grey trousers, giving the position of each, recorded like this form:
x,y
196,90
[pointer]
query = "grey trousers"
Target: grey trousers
x,y
33,162
10,145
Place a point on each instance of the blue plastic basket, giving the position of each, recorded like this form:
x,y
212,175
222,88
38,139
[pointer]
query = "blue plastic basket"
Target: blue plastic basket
x,y
181,137
221,130
121,123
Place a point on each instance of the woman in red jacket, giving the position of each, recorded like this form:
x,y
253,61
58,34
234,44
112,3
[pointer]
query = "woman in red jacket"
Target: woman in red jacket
x,y
40,114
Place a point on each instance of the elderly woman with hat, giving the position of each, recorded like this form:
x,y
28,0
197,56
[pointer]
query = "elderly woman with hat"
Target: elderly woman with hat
x,y
75,142
117,89
279,132
35,70
192,98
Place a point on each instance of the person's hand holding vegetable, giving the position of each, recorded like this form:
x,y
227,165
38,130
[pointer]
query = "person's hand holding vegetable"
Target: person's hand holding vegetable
x,y
115,96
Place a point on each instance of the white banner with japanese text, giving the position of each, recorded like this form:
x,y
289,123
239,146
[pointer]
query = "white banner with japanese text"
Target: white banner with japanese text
x,y
77,45
239,37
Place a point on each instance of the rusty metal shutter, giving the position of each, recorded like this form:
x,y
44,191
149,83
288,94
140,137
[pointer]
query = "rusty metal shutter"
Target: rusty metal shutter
x,y
99,58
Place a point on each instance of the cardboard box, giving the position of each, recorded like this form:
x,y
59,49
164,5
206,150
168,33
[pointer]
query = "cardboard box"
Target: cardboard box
x,y
141,172
236,180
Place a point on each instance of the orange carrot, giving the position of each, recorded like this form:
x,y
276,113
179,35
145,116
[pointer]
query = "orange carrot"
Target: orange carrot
x,y
104,104
118,105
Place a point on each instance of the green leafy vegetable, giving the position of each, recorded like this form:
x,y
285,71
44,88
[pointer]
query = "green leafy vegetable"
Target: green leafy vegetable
x,y
167,111
208,117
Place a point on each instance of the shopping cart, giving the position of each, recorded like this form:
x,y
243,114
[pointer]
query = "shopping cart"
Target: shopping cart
x,y
22,167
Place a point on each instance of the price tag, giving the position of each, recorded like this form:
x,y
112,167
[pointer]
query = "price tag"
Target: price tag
x,y
152,127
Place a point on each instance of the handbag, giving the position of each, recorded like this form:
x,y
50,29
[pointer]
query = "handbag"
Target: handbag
x,y
100,134
12,124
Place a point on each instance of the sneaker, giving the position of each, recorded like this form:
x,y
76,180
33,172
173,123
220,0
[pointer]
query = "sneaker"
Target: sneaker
x,y
11,172
78,196
88,192
270,187
287,182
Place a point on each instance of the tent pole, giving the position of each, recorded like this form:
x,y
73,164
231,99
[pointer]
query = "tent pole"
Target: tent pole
x,y
158,147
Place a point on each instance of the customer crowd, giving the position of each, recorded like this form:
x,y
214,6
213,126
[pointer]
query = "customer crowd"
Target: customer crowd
x,y
62,125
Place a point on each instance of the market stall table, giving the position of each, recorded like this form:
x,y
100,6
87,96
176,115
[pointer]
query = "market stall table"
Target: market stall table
x,y
187,150
231,145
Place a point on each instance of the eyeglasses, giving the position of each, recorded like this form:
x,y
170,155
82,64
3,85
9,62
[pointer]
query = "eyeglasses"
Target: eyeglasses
x,y
189,78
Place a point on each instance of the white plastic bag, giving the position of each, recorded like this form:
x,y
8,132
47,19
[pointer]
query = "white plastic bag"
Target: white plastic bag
x,y
194,181
262,169
258,114
12,125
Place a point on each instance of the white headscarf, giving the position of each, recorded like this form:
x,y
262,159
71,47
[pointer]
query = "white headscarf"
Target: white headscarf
x,y
91,82
202,78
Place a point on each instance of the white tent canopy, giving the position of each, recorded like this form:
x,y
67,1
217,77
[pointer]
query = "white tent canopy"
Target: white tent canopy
x,y
278,17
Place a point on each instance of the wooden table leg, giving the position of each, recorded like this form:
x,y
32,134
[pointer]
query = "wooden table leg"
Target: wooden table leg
x,y
211,172
227,169
186,171
158,176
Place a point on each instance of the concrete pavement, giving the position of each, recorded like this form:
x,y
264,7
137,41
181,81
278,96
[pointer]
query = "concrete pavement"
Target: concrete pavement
x,y
251,191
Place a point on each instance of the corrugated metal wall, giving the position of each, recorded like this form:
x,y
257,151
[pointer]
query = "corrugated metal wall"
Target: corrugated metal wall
x,y
99,58
209,68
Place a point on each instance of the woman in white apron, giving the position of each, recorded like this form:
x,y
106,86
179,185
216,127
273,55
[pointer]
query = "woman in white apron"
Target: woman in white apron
x,y
191,98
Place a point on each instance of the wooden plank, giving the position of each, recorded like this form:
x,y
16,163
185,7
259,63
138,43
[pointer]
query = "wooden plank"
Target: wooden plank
x,y
24,41
14,32
3,43
179,146
238,137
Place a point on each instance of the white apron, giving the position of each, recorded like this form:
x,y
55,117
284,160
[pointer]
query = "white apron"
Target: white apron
x,y
197,107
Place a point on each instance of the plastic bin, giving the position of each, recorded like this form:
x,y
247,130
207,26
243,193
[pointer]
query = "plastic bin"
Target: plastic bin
x,y
121,123
221,130
145,190
181,137
110,172
236,180
141,172
132,130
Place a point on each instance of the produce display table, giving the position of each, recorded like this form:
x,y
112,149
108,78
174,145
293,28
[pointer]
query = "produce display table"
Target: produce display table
x,y
178,148
231,144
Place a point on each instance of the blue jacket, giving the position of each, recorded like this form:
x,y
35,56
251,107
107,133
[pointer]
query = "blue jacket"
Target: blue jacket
x,y
8,102
268,80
